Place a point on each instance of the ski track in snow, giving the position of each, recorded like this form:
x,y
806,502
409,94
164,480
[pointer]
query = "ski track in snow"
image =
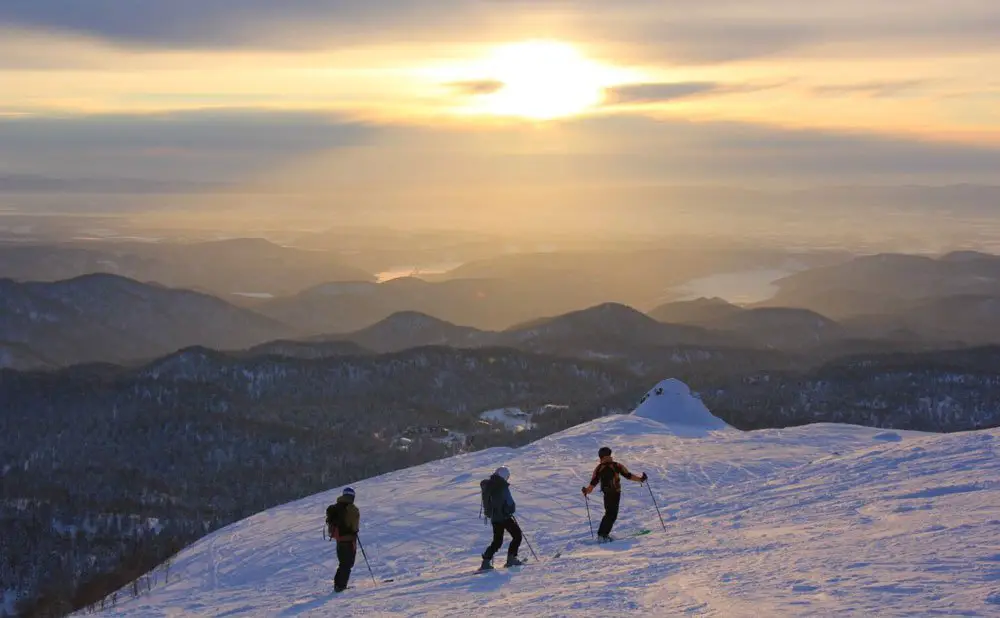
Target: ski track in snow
x,y
824,520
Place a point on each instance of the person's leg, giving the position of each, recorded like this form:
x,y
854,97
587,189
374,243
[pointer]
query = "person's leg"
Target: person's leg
x,y
340,579
515,537
346,553
611,502
497,542
612,506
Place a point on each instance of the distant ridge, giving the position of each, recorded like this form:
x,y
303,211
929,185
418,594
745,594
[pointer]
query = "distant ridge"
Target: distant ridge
x,y
411,329
105,317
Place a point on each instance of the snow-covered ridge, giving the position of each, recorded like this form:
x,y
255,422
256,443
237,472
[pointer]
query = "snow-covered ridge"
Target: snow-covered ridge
x,y
823,520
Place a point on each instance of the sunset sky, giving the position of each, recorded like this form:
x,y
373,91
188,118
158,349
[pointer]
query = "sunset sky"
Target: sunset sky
x,y
361,93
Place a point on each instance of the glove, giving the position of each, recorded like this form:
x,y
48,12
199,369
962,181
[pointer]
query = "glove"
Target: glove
x,y
644,477
586,490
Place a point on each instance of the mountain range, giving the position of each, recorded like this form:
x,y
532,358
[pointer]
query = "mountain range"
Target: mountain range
x,y
878,303
494,293
113,319
605,330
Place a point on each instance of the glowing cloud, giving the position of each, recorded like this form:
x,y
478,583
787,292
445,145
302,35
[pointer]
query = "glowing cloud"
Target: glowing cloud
x,y
538,80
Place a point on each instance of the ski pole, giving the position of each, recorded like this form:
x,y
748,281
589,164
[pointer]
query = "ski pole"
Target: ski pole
x,y
526,541
656,505
366,560
590,521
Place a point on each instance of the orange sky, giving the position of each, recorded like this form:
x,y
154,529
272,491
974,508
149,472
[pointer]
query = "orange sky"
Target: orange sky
x,y
861,65
920,72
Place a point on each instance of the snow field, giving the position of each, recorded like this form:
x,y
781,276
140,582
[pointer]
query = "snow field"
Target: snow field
x,y
824,520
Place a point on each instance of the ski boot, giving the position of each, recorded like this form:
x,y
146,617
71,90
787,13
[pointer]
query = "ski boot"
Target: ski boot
x,y
513,561
487,564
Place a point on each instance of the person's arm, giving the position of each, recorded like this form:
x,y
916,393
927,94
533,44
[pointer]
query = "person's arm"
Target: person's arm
x,y
509,500
624,472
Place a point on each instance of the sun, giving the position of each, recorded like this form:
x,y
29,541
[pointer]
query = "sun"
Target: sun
x,y
539,80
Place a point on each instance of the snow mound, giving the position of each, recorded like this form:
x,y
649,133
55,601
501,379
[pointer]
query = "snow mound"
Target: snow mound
x,y
672,403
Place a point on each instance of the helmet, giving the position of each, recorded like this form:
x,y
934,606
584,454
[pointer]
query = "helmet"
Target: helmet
x,y
604,452
349,491
503,472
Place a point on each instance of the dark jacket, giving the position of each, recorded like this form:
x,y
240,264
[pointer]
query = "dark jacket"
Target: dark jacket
x,y
608,474
494,485
351,519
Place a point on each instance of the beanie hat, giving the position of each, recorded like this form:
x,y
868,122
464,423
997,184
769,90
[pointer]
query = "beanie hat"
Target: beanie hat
x,y
503,472
349,491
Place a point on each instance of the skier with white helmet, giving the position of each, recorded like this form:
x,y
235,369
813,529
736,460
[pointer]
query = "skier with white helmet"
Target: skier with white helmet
x,y
343,520
499,507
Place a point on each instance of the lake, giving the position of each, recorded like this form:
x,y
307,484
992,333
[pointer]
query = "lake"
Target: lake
x,y
742,287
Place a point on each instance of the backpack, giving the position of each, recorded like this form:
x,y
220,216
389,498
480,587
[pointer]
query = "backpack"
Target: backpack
x,y
335,519
608,475
493,499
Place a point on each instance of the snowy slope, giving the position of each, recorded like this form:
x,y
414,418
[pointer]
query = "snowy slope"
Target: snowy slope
x,y
825,520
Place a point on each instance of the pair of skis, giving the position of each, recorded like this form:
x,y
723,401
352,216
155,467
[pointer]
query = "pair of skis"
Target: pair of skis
x,y
590,521
631,535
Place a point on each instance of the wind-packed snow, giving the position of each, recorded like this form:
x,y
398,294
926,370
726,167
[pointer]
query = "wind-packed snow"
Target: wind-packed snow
x,y
824,520
671,403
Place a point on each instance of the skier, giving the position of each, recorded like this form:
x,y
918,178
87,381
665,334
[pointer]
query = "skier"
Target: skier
x,y
608,473
499,507
344,521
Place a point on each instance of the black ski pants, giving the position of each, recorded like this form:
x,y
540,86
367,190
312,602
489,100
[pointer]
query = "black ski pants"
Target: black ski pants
x,y
612,500
510,525
346,553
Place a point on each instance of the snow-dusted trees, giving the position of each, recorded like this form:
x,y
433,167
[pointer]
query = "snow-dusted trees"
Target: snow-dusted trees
x,y
96,455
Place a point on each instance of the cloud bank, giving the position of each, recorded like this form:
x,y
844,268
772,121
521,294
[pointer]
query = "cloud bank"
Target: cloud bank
x,y
672,30
237,145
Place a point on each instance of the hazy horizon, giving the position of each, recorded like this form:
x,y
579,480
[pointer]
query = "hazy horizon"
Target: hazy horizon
x,y
499,116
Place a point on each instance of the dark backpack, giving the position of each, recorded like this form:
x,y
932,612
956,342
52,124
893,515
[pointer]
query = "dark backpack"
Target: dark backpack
x,y
335,519
608,475
493,499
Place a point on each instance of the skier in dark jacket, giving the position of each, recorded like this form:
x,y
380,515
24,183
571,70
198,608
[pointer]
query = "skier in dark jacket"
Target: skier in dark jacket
x,y
499,507
344,521
608,474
